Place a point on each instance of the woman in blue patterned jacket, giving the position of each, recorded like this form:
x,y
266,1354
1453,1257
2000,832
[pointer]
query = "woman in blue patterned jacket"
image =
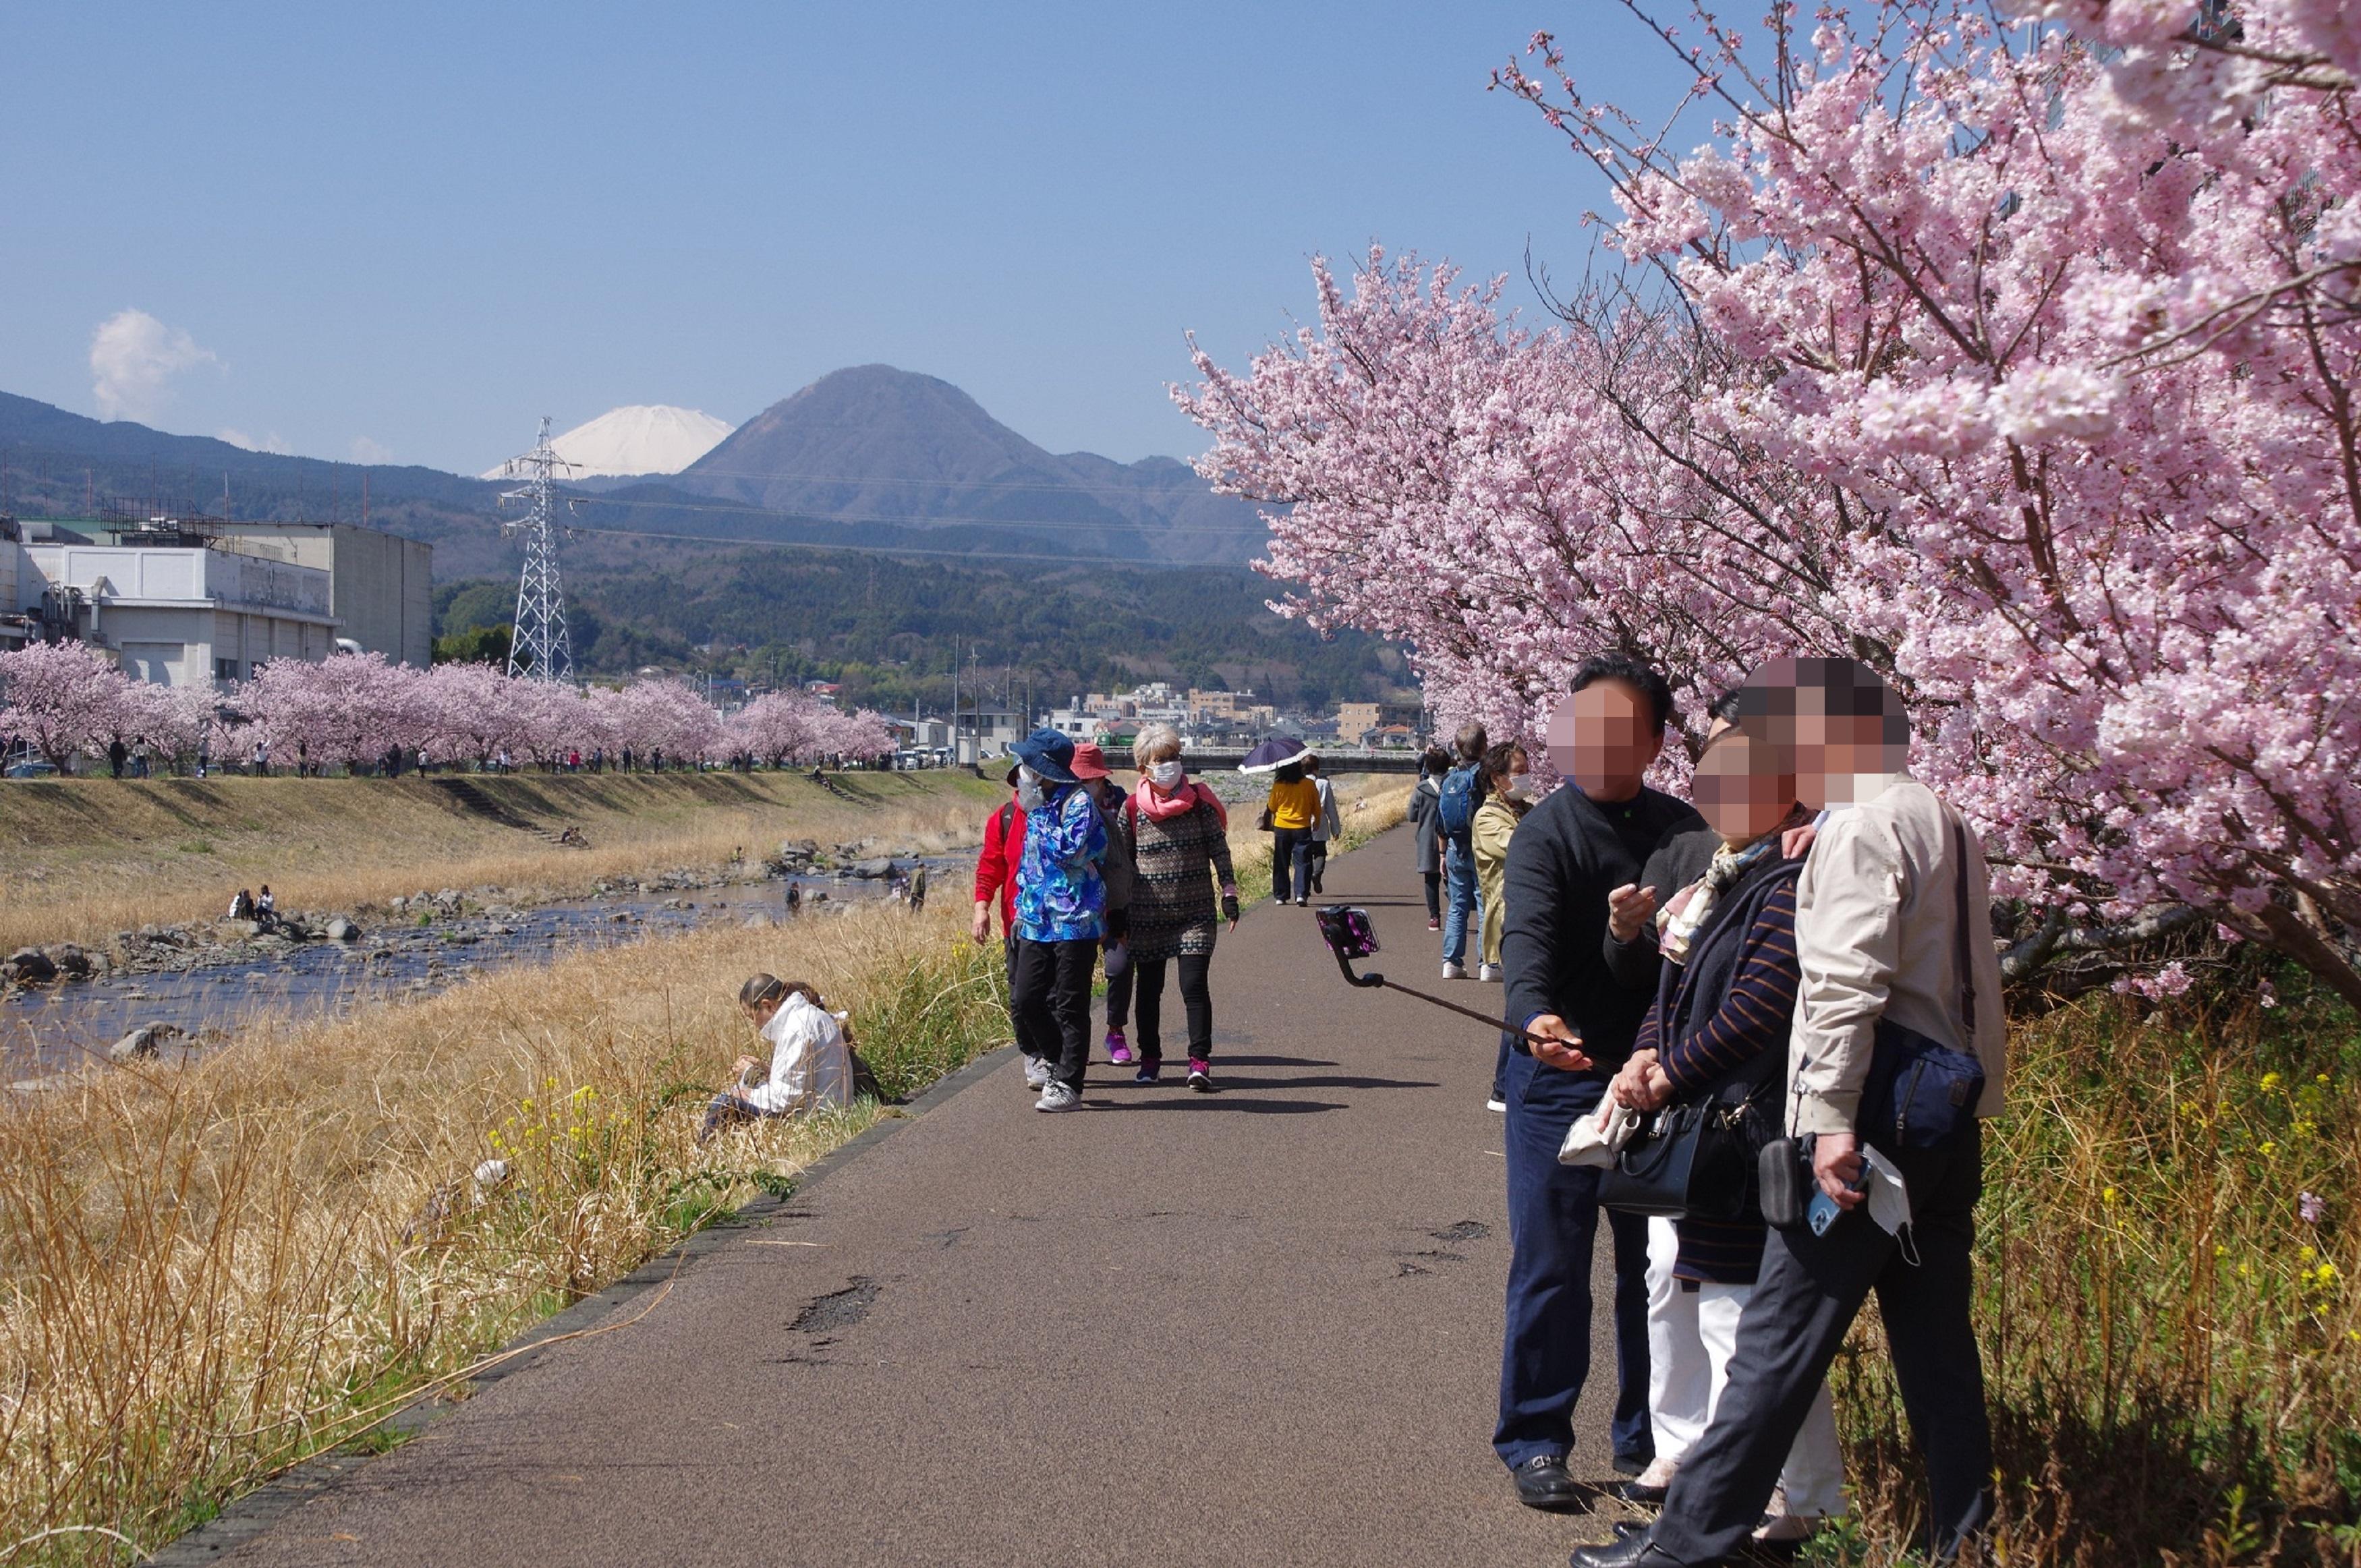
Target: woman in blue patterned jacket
x,y
1061,914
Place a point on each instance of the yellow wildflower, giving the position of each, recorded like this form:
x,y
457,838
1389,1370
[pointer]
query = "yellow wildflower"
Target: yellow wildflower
x,y
2107,1195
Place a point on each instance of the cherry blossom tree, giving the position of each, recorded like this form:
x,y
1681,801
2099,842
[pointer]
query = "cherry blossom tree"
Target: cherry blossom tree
x,y
2020,368
62,699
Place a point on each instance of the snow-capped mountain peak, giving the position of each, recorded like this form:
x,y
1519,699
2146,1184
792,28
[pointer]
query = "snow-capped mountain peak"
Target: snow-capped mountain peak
x,y
638,439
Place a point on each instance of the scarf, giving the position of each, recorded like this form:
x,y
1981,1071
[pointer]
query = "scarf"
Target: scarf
x,y
1681,920
1179,803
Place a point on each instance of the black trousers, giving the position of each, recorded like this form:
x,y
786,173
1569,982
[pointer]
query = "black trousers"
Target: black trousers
x,y
1810,1288
1052,995
1196,999
1315,864
1119,989
1434,881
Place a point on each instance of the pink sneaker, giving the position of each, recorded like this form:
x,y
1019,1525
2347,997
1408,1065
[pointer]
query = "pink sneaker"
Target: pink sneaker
x,y
1118,1049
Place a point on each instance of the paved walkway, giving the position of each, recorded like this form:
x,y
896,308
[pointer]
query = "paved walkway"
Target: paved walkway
x,y
1259,1327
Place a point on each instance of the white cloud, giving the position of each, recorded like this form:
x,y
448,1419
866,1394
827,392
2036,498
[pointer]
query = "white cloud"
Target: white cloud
x,y
368,451
269,440
133,358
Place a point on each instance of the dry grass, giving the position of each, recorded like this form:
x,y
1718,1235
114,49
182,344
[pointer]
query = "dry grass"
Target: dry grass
x,y
208,1271
83,859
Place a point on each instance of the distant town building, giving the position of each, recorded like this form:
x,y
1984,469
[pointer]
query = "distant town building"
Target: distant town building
x,y
1357,720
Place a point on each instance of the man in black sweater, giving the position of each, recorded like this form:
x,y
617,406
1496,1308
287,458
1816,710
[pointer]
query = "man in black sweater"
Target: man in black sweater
x,y
1589,839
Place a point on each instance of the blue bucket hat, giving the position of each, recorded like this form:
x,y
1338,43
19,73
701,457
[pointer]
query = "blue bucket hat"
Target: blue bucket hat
x,y
1048,753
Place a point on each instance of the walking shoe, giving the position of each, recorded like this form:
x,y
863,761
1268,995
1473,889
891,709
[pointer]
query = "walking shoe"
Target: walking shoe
x,y
1118,1049
1037,1072
1542,1483
1496,1105
1434,925
1453,972
1152,1069
1634,1550
1201,1074
1487,971
1058,1096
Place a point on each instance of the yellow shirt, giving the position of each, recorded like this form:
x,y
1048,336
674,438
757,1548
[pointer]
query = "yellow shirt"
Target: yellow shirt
x,y
1294,804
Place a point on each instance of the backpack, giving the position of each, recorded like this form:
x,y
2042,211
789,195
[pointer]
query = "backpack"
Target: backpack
x,y
1455,810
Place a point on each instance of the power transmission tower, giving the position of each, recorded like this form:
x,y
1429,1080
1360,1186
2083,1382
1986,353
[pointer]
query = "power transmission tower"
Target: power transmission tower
x,y
538,647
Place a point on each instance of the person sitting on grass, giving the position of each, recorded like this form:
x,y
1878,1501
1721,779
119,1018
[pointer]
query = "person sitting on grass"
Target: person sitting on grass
x,y
811,1057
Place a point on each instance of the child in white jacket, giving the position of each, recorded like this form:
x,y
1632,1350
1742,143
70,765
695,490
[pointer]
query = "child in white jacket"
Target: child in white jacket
x,y
811,1057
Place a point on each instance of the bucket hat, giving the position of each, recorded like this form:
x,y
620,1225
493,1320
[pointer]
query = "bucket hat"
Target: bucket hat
x,y
1089,763
1048,753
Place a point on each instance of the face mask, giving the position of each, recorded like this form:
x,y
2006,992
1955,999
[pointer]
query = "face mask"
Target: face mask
x,y
1517,786
1889,1195
1029,789
1165,774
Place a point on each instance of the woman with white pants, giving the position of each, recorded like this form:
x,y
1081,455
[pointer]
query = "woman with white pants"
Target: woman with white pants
x,y
1725,996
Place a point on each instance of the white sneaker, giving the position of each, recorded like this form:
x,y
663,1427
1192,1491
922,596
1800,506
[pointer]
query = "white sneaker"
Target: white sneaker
x,y
1453,972
1058,1096
1037,1072
1488,972
1496,1105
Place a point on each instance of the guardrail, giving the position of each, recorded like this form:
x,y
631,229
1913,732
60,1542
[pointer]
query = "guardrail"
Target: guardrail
x,y
1333,760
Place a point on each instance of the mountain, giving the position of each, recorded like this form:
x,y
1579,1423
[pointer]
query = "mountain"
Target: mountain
x,y
638,439
870,459
873,446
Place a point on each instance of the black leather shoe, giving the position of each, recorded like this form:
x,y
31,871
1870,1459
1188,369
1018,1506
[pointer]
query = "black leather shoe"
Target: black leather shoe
x,y
1644,1496
1631,1552
1542,1483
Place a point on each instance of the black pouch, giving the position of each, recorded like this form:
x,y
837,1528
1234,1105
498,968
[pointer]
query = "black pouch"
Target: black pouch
x,y
1782,1178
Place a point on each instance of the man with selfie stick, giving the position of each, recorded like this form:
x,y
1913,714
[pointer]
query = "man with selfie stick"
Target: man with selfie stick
x,y
1879,935
1570,851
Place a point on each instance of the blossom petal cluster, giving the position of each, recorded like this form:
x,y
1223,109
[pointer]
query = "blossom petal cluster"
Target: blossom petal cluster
x,y
2019,360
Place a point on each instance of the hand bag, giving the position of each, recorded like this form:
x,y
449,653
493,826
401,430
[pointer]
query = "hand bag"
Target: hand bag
x,y
1691,1162
1920,1093
1263,824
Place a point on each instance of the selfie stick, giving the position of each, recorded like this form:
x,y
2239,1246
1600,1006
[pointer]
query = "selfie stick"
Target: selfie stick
x,y
1374,980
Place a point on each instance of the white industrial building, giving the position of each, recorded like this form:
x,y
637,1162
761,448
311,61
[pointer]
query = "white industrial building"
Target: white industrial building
x,y
178,614
380,586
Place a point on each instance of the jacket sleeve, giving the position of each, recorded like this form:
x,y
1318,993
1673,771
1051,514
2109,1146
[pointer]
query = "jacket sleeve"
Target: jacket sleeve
x,y
1328,804
1491,834
1075,836
1223,874
1754,1014
1116,868
1528,944
1848,941
992,862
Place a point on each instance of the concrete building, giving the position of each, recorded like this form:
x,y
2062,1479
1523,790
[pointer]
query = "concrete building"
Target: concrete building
x,y
381,587
179,613
1357,719
15,626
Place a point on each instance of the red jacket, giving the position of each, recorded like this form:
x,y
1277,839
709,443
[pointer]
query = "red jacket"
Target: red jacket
x,y
995,867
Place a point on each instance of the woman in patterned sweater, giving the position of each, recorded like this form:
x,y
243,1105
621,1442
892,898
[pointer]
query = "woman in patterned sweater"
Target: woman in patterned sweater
x,y
1725,998
1180,851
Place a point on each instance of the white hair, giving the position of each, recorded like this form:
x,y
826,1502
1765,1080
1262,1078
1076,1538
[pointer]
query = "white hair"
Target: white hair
x,y
1153,744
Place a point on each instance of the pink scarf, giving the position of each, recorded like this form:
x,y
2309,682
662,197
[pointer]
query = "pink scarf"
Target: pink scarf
x,y
1163,808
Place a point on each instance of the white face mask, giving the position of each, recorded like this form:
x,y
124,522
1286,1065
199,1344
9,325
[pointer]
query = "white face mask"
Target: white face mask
x,y
1029,789
1166,774
1517,786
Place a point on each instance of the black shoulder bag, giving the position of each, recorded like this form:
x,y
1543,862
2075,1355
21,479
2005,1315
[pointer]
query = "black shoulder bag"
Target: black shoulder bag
x,y
1919,1094
1691,1162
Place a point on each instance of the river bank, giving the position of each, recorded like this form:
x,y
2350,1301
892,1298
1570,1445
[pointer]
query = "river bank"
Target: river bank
x,y
85,860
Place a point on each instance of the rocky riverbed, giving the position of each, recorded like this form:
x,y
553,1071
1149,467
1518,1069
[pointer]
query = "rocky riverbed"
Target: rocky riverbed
x,y
194,984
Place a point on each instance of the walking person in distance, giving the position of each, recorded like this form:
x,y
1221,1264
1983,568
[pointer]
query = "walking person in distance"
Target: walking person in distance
x,y
1061,912
1460,793
1591,836
1502,788
1425,829
1179,837
1288,812
1325,825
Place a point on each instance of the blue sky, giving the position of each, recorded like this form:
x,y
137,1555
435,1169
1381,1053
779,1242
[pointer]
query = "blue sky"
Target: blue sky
x,y
403,233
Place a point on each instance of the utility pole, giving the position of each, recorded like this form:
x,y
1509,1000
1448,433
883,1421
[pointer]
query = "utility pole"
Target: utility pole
x,y
539,648
956,759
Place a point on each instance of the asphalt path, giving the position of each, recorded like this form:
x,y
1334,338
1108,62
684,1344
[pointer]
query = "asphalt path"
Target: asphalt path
x,y
1259,1327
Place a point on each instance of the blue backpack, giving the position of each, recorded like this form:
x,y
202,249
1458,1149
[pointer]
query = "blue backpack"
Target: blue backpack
x,y
1456,810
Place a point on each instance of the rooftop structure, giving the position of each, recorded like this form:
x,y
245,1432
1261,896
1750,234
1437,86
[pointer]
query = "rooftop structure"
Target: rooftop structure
x,y
177,612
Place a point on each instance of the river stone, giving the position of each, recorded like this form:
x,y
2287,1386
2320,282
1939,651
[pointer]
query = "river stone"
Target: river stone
x,y
29,966
241,927
69,961
143,1041
340,929
871,870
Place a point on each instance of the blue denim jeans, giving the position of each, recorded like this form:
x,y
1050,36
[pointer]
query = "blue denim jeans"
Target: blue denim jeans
x,y
1461,919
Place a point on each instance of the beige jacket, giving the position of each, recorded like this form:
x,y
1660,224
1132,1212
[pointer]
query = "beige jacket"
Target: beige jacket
x,y
1495,824
1874,911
